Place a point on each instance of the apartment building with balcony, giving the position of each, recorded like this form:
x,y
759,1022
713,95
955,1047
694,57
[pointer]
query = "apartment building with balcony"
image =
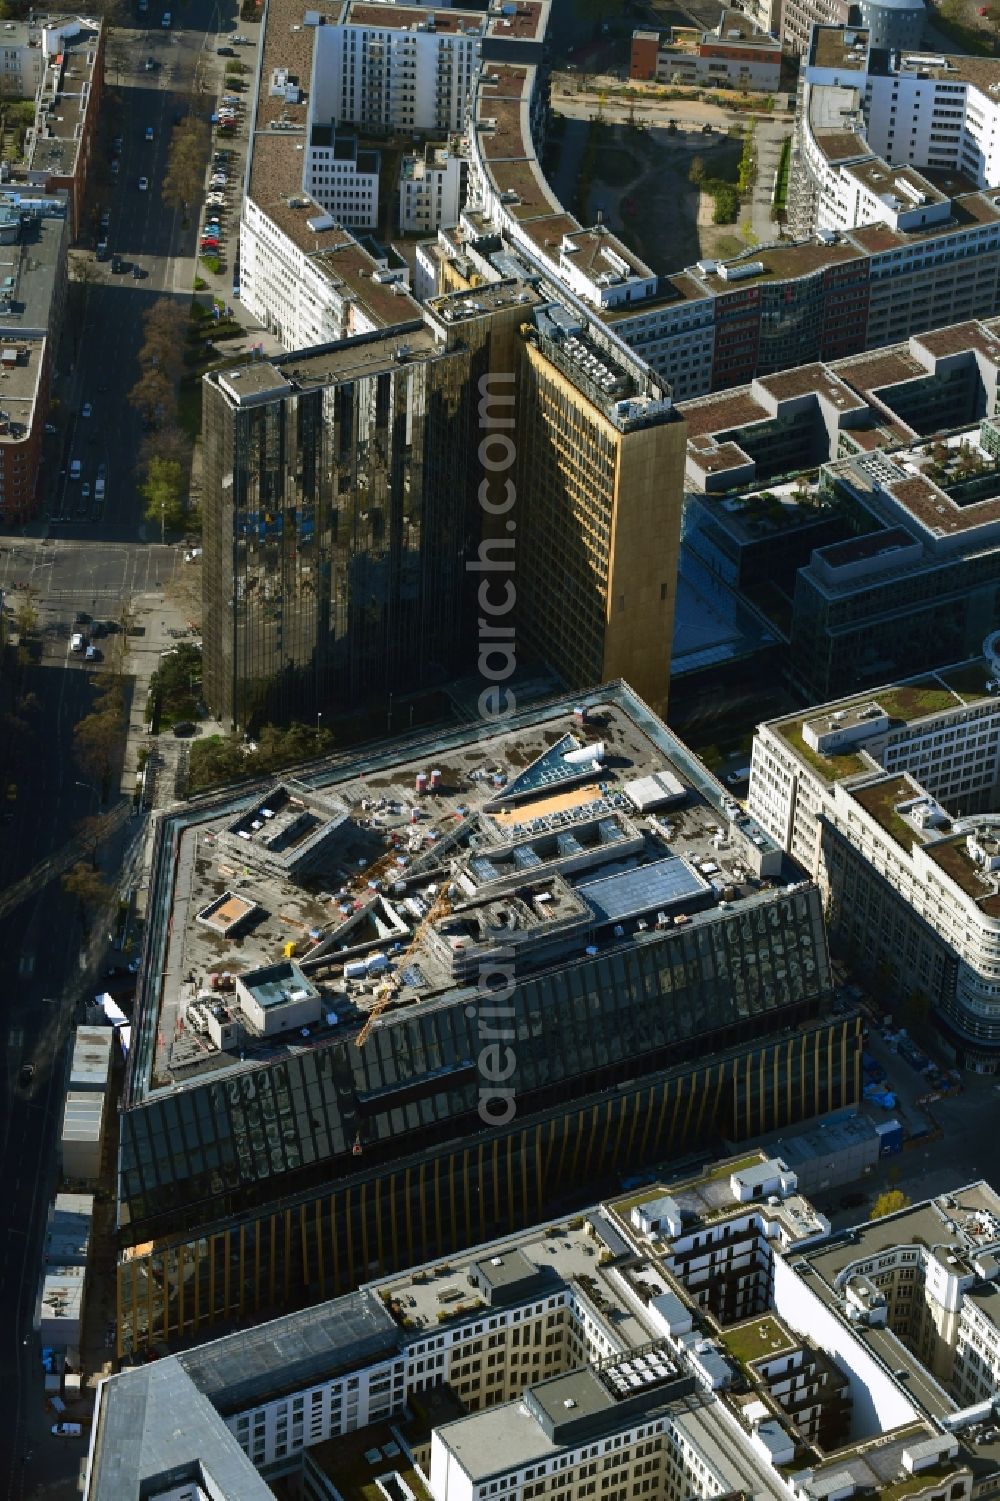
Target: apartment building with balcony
x,y
407,67
890,800
432,187
885,135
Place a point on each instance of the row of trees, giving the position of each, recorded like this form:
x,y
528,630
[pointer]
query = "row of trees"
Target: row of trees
x,y
155,397
185,174
98,737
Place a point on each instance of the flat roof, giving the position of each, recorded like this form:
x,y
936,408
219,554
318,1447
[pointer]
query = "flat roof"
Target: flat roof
x,y
814,379
883,180
906,701
839,47
381,844
627,893
722,412
388,17
346,360
65,94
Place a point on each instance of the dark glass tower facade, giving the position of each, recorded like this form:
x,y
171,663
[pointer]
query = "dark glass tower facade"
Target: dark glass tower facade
x,y
336,527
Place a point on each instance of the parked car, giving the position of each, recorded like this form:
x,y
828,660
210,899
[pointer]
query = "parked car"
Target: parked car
x,y
143,184
184,727
224,52
92,654
165,22
117,265
86,410
106,219
116,167
149,132
137,272
150,64
51,428
242,41
78,642
67,1430
85,490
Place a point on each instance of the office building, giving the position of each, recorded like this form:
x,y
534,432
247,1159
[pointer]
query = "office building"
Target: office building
x,y
890,23
595,453
330,585
852,507
385,1127
719,324
733,54
705,1337
337,526
707,327
889,800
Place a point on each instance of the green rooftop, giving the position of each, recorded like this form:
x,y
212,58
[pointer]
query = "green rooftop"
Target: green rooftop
x,y
880,799
356,1460
915,700
933,693
968,680
831,768
754,1340
923,1481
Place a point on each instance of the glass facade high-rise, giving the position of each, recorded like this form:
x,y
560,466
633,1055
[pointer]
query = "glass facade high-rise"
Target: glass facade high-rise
x,y
336,526
647,1010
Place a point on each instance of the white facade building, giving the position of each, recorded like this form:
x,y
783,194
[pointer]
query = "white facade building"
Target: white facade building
x,y
431,190
887,801
397,65
343,177
866,130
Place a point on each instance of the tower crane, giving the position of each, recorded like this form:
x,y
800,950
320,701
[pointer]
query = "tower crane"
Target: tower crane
x,y
388,991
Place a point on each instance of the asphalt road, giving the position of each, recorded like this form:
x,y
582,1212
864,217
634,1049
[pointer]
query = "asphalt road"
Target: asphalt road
x,y
100,364
94,558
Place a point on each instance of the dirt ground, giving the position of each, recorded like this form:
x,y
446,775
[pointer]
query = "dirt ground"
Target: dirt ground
x,y
638,183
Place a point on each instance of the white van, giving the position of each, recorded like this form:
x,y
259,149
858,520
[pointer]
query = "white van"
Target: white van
x,y
75,469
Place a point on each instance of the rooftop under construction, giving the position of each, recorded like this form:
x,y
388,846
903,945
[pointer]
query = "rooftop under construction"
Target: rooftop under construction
x,y
574,832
